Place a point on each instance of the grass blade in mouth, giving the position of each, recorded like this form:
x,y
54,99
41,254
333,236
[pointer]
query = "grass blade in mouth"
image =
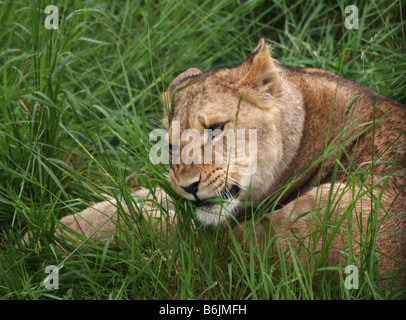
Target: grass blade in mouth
x,y
206,202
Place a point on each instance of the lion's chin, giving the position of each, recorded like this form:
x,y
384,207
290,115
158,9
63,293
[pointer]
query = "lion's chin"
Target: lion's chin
x,y
214,214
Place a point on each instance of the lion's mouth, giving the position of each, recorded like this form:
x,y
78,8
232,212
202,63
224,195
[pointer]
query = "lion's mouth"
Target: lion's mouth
x,y
226,195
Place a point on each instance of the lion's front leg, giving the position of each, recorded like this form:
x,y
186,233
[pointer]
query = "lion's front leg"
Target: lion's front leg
x,y
100,221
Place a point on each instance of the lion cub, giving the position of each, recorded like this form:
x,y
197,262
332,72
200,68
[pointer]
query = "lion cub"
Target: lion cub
x,y
333,150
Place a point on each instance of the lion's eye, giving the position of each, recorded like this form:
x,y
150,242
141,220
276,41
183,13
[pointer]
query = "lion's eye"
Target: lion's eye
x,y
217,128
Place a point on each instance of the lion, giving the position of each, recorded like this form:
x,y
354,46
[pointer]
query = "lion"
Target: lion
x,y
313,128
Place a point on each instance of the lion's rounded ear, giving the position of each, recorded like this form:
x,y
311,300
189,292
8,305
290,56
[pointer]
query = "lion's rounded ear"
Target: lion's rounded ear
x,y
176,84
259,69
182,78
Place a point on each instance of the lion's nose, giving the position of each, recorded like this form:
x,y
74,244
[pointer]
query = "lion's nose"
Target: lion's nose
x,y
192,188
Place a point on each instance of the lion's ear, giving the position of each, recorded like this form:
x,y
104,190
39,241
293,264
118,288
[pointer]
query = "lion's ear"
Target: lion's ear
x,y
182,78
259,69
176,84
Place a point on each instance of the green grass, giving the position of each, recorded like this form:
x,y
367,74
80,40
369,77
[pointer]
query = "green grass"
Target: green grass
x,y
77,105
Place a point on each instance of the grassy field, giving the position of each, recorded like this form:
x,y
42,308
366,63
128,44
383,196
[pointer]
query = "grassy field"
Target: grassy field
x,y
76,108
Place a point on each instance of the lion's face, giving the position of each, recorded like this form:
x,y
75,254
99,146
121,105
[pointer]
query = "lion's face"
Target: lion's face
x,y
208,160
225,139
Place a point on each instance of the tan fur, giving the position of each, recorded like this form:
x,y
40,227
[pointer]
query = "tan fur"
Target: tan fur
x,y
295,111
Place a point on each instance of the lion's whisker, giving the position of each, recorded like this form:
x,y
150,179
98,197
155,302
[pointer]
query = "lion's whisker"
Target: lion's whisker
x,y
247,173
234,182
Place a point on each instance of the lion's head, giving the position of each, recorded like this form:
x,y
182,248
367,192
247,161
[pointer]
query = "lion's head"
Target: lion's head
x,y
249,103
